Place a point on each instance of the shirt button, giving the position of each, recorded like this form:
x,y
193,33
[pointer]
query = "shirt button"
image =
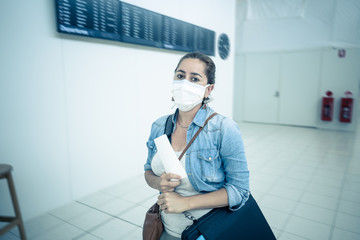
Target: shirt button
x,y
209,158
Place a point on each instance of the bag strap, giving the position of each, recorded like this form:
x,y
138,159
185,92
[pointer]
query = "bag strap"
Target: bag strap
x,y
196,134
169,125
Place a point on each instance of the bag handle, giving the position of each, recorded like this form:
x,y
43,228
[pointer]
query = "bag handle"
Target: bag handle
x,y
196,134
169,125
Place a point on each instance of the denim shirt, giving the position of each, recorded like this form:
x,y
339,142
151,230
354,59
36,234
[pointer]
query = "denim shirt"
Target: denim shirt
x,y
215,160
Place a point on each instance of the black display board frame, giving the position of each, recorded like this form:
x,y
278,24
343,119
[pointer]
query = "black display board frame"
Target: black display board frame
x,y
120,21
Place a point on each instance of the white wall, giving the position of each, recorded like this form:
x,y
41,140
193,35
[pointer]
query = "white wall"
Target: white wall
x,y
273,25
296,30
76,112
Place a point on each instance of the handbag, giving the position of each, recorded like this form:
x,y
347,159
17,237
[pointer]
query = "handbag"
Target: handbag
x,y
153,226
221,223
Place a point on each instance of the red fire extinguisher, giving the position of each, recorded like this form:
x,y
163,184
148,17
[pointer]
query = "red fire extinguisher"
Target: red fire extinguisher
x,y
346,106
327,107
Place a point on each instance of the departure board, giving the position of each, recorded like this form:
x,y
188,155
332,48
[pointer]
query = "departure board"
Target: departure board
x,y
140,26
120,21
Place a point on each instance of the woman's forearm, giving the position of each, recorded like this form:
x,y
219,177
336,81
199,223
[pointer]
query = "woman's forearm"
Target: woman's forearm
x,y
152,180
214,199
174,203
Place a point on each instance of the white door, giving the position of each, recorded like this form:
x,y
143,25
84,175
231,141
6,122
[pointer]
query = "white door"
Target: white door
x,y
282,88
261,88
299,88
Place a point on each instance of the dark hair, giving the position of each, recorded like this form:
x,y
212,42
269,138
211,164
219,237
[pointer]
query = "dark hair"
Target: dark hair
x,y
210,65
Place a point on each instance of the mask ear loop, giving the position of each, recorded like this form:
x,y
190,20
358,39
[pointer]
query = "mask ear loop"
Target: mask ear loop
x,y
207,99
173,100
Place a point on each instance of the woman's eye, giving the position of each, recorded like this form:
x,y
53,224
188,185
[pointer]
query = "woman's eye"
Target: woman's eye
x,y
194,79
179,76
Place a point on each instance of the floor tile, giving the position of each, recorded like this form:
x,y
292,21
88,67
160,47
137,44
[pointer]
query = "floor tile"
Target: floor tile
x,y
115,229
353,168
278,203
352,177
350,196
140,194
258,196
96,199
298,175
41,224
275,231
292,183
258,185
348,222
134,235
135,216
62,232
315,213
323,190
116,206
336,175
119,189
319,200
86,236
9,236
138,180
349,207
149,202
307,228
70,211
351,186
328,181
90,219
289,236
303,170
286,192
275,218
340,234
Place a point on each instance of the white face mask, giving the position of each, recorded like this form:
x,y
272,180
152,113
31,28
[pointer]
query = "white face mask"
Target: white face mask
x,y
187,95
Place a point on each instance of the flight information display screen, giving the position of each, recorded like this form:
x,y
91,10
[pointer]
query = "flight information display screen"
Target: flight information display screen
x,y
120,21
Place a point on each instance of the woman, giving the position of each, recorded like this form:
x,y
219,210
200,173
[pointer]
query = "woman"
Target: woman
x,y
216,167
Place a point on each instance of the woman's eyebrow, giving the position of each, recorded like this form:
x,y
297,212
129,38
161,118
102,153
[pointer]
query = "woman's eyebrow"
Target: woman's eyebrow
x,y
196,74
193,73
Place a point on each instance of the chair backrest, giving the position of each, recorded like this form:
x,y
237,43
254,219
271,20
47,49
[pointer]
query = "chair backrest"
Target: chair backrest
x,y
5,169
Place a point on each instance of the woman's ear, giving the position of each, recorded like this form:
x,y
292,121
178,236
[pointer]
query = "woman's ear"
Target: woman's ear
x,y
209,90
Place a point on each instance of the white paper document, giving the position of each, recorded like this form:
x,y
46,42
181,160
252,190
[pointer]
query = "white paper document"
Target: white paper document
x,y
168,156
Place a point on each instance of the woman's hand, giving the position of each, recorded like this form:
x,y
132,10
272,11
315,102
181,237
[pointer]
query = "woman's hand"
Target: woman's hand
x,y
166,182
172,202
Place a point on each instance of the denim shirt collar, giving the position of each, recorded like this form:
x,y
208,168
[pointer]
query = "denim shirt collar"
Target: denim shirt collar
x,y
199,118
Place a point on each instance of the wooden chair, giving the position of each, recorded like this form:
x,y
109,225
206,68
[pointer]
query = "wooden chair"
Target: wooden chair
x,y
5,172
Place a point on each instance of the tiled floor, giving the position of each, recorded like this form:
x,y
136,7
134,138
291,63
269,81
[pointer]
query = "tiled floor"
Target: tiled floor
x,y
305,180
